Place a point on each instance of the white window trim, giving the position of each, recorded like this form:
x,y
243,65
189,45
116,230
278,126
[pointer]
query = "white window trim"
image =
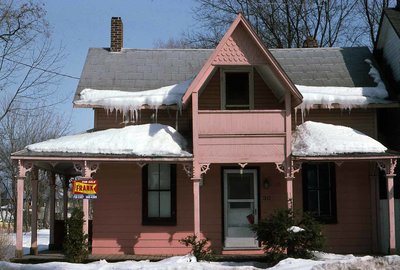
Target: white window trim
x,y
223,71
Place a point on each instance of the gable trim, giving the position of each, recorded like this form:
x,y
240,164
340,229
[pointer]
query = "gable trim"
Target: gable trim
x,y
208,67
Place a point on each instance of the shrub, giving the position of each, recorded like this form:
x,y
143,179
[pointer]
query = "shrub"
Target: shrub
x,y
75,242
279,241
200,248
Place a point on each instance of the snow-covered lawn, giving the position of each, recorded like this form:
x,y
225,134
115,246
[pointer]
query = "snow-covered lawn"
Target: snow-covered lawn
x,y
323,261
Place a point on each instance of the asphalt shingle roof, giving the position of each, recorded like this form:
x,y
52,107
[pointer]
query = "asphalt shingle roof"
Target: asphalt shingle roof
x,y
138,69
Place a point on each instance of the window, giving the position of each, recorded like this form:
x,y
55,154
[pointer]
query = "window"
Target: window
x,y
159,194
237,90
319,191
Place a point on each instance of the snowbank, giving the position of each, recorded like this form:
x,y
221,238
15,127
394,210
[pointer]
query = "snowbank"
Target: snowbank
x,y
188,262
319,139
344,97
138,140
125,101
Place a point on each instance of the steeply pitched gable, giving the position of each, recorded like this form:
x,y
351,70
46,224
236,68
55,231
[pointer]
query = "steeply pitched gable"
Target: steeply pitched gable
x,y
241,46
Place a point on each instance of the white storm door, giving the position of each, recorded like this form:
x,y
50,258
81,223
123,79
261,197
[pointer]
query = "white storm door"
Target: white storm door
x,y
240,207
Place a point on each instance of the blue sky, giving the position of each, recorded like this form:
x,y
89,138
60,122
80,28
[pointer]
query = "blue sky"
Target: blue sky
x,y
80,24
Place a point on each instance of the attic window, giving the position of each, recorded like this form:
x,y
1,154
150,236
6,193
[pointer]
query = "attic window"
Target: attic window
x,y
237,90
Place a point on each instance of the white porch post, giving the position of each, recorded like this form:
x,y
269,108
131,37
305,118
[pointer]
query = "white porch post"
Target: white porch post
x,y
34,183
52,208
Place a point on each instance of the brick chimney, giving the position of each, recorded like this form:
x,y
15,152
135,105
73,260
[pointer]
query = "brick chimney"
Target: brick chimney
x,y
117,34
310,42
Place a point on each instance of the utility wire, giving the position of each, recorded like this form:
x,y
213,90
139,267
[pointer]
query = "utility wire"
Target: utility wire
x,y
42,69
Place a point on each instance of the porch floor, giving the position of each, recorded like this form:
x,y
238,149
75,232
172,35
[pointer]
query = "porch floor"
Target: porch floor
x,y
57,256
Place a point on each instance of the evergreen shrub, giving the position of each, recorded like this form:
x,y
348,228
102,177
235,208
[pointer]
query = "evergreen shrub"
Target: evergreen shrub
x,y
280,241
76,248
200,248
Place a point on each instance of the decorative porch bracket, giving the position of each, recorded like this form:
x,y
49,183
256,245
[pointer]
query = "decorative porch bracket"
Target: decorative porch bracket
x,y
141,164
294,167
188,168
23,168
389,166
289,172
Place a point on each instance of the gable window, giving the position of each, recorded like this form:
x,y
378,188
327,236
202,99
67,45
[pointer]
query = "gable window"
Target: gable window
x,y
237,90
159,194
319,191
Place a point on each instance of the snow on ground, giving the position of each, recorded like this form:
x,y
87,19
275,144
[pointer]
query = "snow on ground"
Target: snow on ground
x,y
322,261
125,101
319,139
344,97
140,140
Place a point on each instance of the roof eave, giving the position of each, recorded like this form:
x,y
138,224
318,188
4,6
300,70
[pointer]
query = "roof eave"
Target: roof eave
x,y
349,157
65,157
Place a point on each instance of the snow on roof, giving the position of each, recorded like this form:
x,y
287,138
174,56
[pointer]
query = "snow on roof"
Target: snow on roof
x,y
319,139
345,97
139,140
125,101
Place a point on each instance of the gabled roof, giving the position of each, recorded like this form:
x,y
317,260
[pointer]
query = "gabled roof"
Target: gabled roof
x,y
143,69
139,69
344,67
241,46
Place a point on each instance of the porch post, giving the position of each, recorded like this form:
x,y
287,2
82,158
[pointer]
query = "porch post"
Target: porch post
x,y
65,197
288,150
34,183
52,208
86,216
86,175
392,225
289,190
196,204
196,176
389,166
20,209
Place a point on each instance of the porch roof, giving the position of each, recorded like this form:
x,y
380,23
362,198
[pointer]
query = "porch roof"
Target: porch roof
x,y
325,142
131,143
390,154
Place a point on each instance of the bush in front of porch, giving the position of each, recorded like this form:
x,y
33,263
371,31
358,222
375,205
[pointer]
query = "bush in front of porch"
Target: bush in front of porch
x,y
75,242
287,233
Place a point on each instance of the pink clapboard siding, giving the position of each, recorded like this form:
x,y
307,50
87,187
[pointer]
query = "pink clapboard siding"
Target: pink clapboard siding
x,y
117,212
354,230
241,136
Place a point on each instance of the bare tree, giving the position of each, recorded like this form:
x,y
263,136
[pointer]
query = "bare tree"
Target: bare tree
x,y
19,130
28,63
371,12
288,23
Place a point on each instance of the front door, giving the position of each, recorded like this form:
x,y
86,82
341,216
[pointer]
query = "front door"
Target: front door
x,y
240,207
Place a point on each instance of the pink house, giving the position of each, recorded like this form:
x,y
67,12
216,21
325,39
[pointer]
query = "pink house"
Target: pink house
x,y
207,142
